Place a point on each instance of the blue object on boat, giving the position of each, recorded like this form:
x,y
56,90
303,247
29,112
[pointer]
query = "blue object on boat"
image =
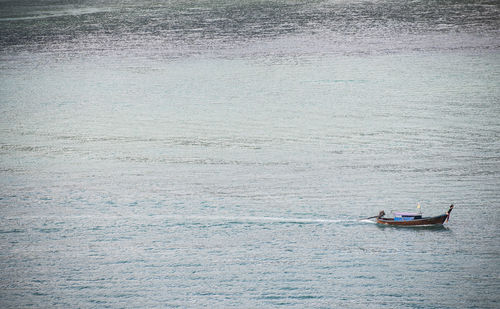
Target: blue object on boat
x,y
403,218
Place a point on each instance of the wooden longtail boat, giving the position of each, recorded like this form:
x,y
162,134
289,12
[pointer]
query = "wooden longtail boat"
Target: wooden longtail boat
x,y
413,219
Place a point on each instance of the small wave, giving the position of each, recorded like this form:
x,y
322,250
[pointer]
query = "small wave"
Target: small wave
x,y
74,12
48,230
11,231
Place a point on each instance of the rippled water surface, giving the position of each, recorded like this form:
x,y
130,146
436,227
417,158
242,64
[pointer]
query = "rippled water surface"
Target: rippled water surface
x,y
224,153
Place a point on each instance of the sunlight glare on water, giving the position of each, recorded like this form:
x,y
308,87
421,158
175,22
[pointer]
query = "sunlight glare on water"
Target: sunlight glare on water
x,y
225,153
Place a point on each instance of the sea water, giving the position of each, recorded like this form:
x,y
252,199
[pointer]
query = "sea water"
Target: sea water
x,y
224,153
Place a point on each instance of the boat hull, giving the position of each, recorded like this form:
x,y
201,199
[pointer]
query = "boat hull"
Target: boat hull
x,y
416,222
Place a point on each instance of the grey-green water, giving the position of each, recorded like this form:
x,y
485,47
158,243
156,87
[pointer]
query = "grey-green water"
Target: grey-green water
x,y
221,153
